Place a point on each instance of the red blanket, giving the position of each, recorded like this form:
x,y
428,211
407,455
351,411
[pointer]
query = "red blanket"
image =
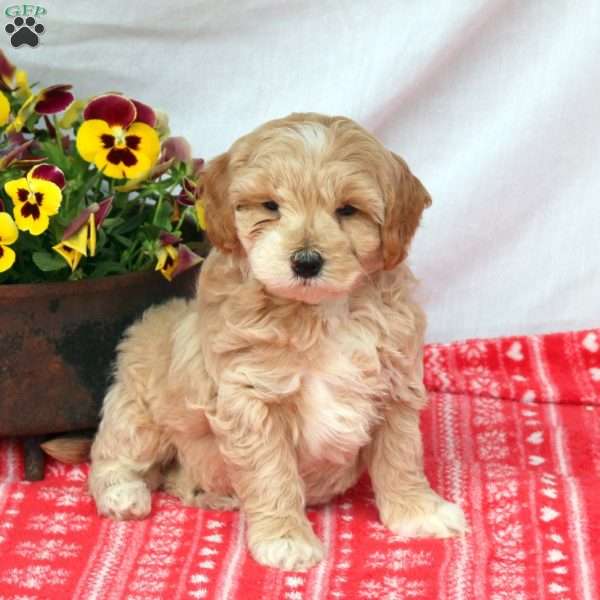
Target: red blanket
x,y
512,433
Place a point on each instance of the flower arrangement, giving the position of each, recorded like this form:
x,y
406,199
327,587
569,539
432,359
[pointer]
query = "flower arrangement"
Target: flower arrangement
x,y
90,188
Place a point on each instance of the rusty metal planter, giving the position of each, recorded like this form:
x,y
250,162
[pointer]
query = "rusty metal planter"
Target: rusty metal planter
x,y
57,345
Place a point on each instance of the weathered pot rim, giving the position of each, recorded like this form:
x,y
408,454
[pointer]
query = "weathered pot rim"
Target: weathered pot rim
x,y
14,291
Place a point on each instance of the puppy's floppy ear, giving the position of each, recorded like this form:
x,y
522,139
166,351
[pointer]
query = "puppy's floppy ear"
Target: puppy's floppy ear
x,y
406,198
220,220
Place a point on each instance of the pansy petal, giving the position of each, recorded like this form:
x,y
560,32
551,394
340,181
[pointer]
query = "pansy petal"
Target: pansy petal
x,y
72,114
104,208
78,241
145,139
145,114
177,148
72,257
108,168
48,173
122,163
161,259
167,261
89,138
35,222
185,199
4,109
91,229
22,84
140,169
48,195
132,160
77,223
16,138
17,190
9,232
16,152
168,239
186,259
54,99
7,69
7,258
112,108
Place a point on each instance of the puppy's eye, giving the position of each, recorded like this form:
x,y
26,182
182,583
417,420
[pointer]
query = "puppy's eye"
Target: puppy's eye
x,y
346,211
271,205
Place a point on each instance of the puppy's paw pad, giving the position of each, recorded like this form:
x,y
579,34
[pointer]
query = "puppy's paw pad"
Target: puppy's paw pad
x,y
431,516
293,552
122,501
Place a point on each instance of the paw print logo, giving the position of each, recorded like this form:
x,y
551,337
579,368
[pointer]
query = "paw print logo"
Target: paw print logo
x,y
24,31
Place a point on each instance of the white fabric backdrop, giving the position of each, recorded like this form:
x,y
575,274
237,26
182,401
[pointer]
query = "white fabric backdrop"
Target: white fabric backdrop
x,y
495,104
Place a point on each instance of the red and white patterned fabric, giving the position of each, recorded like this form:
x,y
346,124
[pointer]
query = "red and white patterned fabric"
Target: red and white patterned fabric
x,y
512,433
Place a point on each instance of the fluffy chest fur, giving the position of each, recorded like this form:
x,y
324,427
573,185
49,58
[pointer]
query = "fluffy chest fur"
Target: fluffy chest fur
x,y
342,382
335,365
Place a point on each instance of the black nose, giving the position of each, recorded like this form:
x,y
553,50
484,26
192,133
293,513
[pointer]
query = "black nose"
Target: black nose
x,y
307,263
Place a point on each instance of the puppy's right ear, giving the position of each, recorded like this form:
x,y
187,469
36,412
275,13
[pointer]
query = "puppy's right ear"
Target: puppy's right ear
x,y
220,220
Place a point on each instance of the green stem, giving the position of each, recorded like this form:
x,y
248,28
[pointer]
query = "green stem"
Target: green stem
x,y
157,209
92,181
57,135
180,222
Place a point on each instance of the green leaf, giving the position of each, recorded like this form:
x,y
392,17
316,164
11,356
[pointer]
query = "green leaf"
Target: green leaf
x,y
48,262
162,217
151,231
130,225
124,240
109,268
111,223
54,154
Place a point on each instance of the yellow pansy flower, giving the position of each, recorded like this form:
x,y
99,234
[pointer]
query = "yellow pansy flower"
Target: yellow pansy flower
x,y
173,257
118,136
36,197
166,261
81,243
79,238
71,256
8,235
49,101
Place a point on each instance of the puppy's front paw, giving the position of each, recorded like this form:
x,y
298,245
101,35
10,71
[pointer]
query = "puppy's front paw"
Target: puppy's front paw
x,y
128,500
296,551
427,515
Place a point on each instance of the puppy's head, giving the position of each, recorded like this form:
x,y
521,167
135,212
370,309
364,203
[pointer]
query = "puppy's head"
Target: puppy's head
x,y
316,203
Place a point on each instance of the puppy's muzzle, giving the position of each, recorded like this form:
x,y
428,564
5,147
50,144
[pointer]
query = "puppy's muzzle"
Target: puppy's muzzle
x,y
306,263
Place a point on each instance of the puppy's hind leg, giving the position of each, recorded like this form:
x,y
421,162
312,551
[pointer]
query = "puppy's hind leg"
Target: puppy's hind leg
x,y
199,476
126,456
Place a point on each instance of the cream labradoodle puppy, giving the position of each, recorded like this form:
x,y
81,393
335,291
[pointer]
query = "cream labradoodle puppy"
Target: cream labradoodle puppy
x,y
298,366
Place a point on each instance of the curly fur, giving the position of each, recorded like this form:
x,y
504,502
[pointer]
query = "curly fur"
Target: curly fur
x,y
270,391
